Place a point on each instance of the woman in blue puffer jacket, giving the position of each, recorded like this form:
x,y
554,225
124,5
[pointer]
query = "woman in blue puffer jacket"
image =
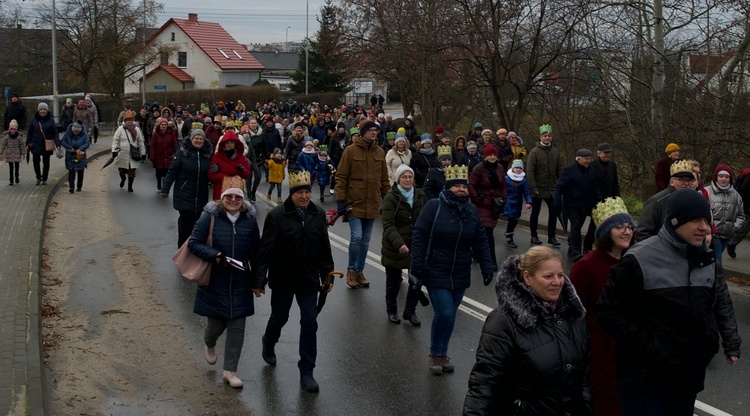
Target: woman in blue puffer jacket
x,y
228,299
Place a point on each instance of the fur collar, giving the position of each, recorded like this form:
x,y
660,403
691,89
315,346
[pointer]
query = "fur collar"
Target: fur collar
x,y
516,299
187,149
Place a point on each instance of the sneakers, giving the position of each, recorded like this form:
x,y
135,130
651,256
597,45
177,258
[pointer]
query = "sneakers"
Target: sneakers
x,y
230,377
44,182
447,365
269,356
210,354
361,281
351,279
731,250
268,197
309,384
435,362
331,191
552,240
38,182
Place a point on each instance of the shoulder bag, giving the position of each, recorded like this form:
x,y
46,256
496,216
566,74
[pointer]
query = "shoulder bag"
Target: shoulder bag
x,y
192,267
49,144
135,152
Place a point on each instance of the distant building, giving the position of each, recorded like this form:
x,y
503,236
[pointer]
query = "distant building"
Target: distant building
x,y
278,67
203,55
703,72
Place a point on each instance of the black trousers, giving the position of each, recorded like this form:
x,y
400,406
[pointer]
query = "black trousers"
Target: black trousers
x,y
13,167
185,224
588,241
281,302
511,228
72,176
393,282
42,172
576,218
536,208
257,176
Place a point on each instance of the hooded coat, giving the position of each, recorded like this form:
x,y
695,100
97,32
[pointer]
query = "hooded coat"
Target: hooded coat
x,y
531,360
72,142
483,194
121,142
14,148
162,148
189,175
84,116
236,164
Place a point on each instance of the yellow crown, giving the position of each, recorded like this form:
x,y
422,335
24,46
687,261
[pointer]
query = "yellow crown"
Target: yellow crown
x,y
232,182
681,166
301,178
444,151
457,172
608,208
196,126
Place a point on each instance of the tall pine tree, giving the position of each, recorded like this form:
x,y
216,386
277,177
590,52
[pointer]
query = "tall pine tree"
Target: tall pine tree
x,y
327,60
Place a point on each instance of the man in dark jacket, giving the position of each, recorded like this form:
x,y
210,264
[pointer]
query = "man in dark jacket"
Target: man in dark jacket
x,y
15,111
744,190
606,182
666,303
296,228
652,216
576,194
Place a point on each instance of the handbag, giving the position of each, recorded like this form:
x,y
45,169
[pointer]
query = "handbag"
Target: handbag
x,y
192,267
135,152
49,144
498,205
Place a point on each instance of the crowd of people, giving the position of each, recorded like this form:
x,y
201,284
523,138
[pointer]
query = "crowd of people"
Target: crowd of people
x,y
608,339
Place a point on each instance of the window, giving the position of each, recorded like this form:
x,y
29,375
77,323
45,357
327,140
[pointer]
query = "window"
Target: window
x,y
182,59
164,57
238,55
222,53
172,39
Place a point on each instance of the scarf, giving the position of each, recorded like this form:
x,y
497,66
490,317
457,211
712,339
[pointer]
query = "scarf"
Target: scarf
x,y
233,217
458,203
14,135
492,174
308,151
427,151
408,195
516,177
230,153
545,145
723,188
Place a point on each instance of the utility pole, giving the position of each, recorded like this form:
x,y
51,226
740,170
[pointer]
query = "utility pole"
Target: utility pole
x,y
143,74
55,108
307,47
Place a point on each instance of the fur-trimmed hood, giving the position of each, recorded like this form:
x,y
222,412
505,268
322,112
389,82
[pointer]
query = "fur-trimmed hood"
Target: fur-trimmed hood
x,y
523,305
186,147
213,209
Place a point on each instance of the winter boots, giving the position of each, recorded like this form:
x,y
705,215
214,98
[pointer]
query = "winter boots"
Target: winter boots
x,y
509,240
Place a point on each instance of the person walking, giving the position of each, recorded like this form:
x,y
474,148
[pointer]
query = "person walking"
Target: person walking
x,y
488,193
188,172
13,149
423,159
361,183
401,208
296,228
66,115
228,160
614,235
126,140
607,183
654,209
41,139
543,168
397,156
15,111
255,139
742,185
433,183
533,351
83,115
275,166
163,147
727,208
518,192
75,141
227,300
665,304
446,233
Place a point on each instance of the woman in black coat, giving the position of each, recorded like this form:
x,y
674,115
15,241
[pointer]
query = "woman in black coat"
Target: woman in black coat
x,y
422,160
228,298
42,127
188,172
533,352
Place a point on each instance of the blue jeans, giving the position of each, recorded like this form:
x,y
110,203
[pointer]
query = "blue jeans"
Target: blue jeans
x,y
445,303
720,244
359,242
281,302
640,403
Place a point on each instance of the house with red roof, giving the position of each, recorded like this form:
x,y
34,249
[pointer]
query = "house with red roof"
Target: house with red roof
x,y
198,55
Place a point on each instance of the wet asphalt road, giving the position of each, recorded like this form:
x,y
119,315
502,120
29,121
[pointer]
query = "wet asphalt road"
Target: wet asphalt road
x,y
366,365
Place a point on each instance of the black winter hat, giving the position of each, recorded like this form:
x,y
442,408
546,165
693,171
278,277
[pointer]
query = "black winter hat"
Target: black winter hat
x,y
686,205
367,125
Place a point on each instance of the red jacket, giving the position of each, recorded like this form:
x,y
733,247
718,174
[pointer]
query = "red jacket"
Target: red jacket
x,y
662,173
482,193
162,148
213,134
236,165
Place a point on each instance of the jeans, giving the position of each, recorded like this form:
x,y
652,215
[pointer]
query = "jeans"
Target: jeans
x,y
359,242
235,339
445,303
270,190
640,403
536,208
720,244
576,217
42,173
393,282
185,224
281,302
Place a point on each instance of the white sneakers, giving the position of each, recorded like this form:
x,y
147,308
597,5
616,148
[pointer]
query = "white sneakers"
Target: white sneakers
x,y
210,354
232,379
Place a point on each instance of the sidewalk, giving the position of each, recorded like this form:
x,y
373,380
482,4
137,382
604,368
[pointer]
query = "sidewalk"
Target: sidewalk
x,y
23,209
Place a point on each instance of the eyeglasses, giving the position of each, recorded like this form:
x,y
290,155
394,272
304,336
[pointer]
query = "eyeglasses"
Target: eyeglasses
x,y
624,227
233,197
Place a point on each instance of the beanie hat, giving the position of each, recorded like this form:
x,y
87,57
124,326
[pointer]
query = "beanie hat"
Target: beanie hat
x,y
478,126
518,163
401,170
76,128
197,132
401,130
13,125
512,134
400,138
723,168
672,147
161,120
502,131
88,97
367,125
609,213
244,128
686,205
426,138
487,131
69,100
42,106
490,150
439,130
81,102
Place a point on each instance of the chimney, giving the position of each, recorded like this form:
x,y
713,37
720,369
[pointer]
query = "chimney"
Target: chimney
x,y
193,17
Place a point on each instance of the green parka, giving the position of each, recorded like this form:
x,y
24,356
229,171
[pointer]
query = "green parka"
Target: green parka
x,y
542,170
398,218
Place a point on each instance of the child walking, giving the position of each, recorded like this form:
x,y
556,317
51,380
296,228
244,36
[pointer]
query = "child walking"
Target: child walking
x,y
13,148
518,189
322,170
275,167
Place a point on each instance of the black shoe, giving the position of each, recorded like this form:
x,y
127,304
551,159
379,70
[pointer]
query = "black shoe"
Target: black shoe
x,y
11,183
393,318
78,189
122,182
309,384
252,197
269,356
412,318
17,180
535,240
322,198
38,182
71,190
730,250
509,242
552,240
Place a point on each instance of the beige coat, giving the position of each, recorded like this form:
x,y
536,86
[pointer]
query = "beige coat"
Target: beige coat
x,y
121,143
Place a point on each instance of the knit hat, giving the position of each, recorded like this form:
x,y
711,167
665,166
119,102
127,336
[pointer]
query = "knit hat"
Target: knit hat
x,y
478,126
609,213
208,120
76,127
299,181
512,134
502,131
486,131
367,125
518,163
426,138
88,97
545,128
686,205
81,102
490,150
308,140
220,103
42,106
439,130
244,128
160,120
456,175
401,169
672,147
400,138
197,132
401,130
13,125
471,145
725,169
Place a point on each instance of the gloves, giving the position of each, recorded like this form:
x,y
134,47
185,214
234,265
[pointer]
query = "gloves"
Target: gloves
x,y
240,168
487,278
114,154
163,195
214,168
341,207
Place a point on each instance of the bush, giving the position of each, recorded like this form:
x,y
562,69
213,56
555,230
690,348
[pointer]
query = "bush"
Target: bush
x,y
634,205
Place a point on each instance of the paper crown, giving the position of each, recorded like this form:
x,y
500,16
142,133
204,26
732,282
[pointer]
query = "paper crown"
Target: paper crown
x,y
232,182
353,131
301,178
681,166
391,135
608,208
323,148
444,151
196,126
238,123
454,173
545,128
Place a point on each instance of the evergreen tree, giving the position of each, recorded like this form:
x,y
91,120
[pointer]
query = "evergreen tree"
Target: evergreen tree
x,y
327,62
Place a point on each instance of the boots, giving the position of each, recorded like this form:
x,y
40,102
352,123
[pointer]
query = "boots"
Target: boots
x,y
447,365
268,197
361,281
351,279
279,200
130,184
268,353
509,240
158,184
230,377
435,362
122,180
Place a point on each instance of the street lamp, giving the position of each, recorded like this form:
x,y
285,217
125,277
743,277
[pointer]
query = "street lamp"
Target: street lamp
x,y
286,40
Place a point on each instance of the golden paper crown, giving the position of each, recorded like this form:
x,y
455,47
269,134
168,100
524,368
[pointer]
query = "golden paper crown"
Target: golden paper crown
x,y
232,182
608,208
455,172
444,151
301,178
238,123
681,166
196,126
